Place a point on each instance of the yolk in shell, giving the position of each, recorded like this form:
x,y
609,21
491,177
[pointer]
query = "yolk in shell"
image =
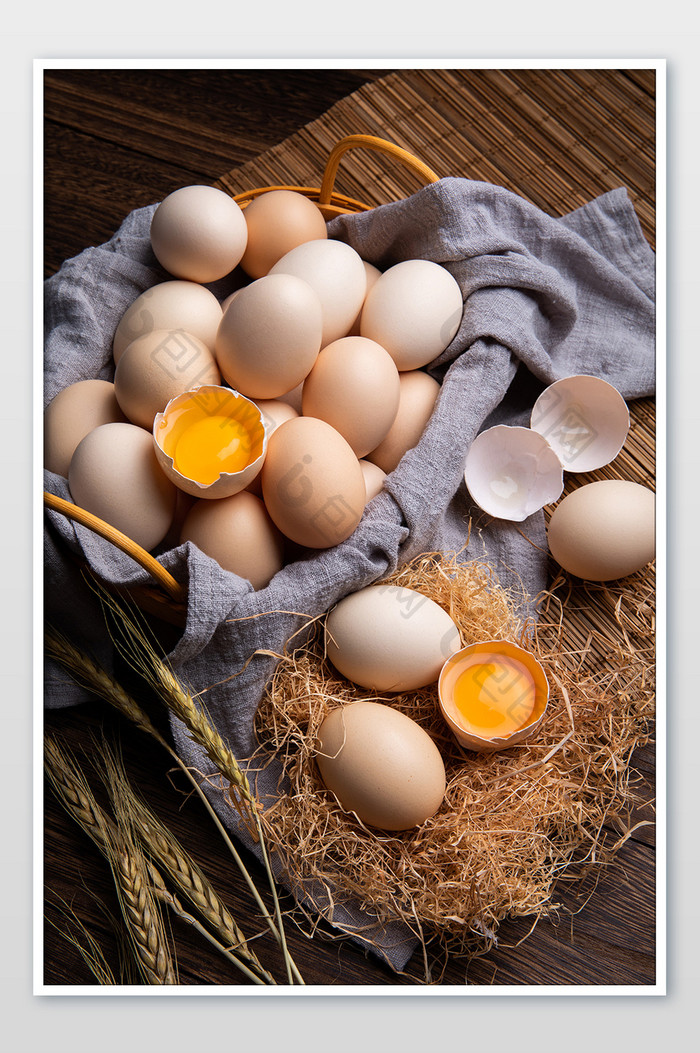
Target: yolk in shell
x,y
210,447
494,695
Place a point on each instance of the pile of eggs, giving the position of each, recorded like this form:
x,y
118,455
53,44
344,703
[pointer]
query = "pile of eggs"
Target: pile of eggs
x,y
270,419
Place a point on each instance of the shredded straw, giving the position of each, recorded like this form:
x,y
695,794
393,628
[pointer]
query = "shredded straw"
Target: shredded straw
x,y
512,822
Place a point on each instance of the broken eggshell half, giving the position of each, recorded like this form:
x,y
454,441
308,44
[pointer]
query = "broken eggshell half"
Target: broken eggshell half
x,y
584,419
512,472
483,685
210,441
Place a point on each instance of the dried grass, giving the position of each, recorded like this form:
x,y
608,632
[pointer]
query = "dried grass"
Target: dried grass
x,y
512,822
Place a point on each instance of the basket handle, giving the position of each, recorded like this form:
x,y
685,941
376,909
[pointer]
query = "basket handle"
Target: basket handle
x,y
57,504
369,142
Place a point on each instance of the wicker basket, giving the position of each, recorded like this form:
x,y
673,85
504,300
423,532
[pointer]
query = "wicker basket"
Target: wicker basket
x,y
167,598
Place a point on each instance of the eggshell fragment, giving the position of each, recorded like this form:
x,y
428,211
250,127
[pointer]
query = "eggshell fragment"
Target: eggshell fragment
x,y
238,533
381,765
158,366
277,222
509,681
270,336
512,472
584,419
169,305
414,310
198,233
336,273
217,434
115,475
418,392
71,414
604,530
389,638
312,483
354,386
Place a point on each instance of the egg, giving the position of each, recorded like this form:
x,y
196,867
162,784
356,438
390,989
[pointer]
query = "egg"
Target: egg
x,y
371,273
354,385
274,412
115,475
158,366
381,765
277,222
414,310
512,472
312,483
270,336
336,273
71,414
238,533
169,305
604,530
418,393
374,478
389,638
198,233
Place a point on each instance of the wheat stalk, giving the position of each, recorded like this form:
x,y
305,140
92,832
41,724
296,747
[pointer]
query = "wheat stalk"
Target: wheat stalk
x,y
161,845
90,675
139,907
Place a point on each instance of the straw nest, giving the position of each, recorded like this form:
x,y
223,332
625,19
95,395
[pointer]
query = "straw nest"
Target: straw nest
x,y
511,822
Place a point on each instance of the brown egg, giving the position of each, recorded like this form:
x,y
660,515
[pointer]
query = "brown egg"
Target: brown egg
x,y
274,412
312,483
374,478
269,336
169,305
604,530
416,403
198,233
238,533
277,222
71,414
354,386
381,765
158,366
115,475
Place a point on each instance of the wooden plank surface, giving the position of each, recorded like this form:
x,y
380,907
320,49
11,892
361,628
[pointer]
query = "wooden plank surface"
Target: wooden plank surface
x,y
119,139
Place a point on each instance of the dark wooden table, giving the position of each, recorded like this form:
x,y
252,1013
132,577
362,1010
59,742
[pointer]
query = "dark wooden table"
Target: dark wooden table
x,y
119,139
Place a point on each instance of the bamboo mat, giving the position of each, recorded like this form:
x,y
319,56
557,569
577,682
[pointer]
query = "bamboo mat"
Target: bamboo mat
x,y
558,138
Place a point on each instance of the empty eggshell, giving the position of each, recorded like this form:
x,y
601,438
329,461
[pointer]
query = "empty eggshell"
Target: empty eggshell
x,y
158,366
418,392
414,310
604,530
312,483
71,414
336,273
198,233
270,336
354,386
210,442
389,638
169,305
584,419
381,765
115,475
512,472
238,533
277,222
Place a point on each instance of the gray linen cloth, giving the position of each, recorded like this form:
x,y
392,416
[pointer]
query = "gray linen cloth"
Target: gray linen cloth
x,y
544,298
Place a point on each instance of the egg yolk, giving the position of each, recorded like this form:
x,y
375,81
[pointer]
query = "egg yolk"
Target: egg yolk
x,y
494,695
210,447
